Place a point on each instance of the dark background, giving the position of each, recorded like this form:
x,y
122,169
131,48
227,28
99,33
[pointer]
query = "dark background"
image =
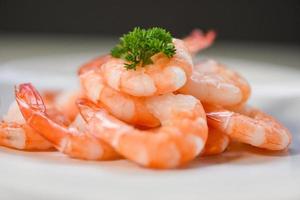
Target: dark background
x,y
268,21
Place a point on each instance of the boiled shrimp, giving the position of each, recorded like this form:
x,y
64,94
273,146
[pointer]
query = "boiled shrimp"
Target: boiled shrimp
x,y
15,133
250,126
125,107
163,76
73,141
213,83
180,139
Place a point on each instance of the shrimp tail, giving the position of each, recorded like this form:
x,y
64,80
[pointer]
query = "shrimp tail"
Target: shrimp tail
x,y
33,110
197,40
28,99
86,109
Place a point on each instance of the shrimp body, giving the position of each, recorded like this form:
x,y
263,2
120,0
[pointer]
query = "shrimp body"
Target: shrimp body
x,y
180,138
212,83
163,76
216,143
251,127
125,107
73,141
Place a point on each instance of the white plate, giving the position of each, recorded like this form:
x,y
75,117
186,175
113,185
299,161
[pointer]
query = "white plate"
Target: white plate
x,y
240,173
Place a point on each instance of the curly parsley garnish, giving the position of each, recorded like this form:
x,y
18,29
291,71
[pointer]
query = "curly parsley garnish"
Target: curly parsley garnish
x,y
138,46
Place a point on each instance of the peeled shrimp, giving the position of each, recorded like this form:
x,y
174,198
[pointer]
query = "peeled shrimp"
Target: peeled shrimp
x,y
216,143
212,83
125,107
180,139
15,133
163,76
197,40
251,127
73,141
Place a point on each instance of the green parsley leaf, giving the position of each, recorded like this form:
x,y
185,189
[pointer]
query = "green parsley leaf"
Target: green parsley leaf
x,y
138,46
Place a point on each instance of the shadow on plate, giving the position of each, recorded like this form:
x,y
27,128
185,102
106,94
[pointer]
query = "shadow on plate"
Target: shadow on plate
x,y
236,154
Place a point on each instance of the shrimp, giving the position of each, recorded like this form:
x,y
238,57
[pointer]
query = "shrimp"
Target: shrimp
x,y
212,83
197,40
216,143
180,139
15,133
74,141
252,127
163,76
125,107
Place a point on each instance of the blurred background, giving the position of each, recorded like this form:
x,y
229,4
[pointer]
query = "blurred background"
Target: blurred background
x,y
262,30
260,21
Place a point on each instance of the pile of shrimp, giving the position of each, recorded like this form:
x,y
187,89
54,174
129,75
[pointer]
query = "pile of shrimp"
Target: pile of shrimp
x,y
160,116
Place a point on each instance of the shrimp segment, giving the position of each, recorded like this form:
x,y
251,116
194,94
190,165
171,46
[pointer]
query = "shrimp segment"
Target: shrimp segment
x,y
212,83
73,141
216,143
180,138
255,127
197,40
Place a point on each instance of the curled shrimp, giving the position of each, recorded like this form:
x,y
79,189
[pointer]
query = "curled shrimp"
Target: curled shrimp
x,y
250,126
213,83
15,133
180,138
163,76
216,142
125,107
74,141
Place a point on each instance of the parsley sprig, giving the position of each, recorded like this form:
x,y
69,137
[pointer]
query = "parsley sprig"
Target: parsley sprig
x,y
138,46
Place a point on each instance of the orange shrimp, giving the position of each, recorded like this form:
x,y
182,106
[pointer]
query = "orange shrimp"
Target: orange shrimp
x,y
74,141
163,76
252,127
15,133
125,107
180,139
212,83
